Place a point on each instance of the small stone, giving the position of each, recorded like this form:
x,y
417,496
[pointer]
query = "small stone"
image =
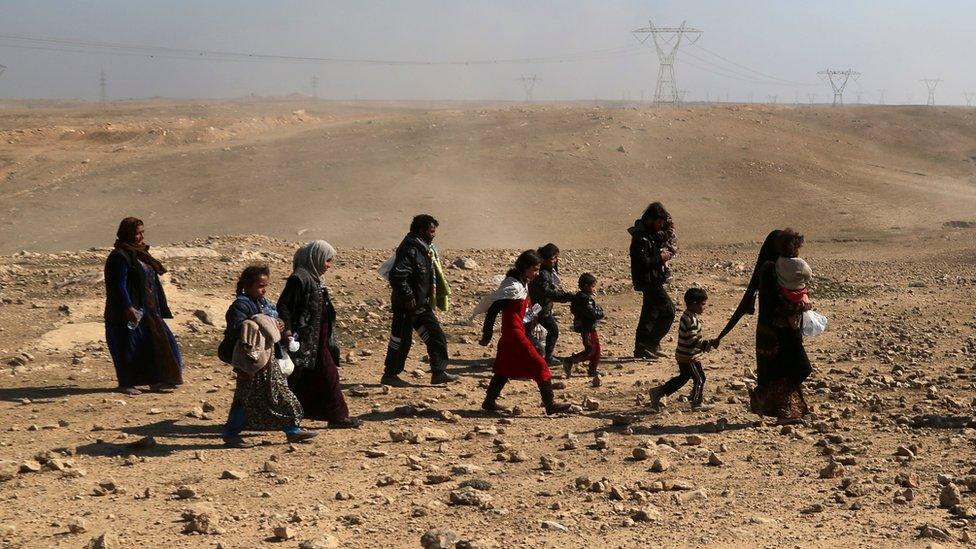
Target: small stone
x,y
283,532
465,263
204,316
343,496
714,460
949,496
233,475
438,539
811,509
553,525
30,466
640,453
660,465
832,470
323,542
106,540
77,525
694,440
185,492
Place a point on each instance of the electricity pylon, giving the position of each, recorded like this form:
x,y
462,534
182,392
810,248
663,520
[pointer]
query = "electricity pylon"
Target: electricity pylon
x,y
838,80
931,84
773,99
970,98
528,84
2,68
102,83
315,87
881,100
666,42
812,97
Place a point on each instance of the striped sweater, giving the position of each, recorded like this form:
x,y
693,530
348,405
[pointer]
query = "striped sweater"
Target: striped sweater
x,y
690,342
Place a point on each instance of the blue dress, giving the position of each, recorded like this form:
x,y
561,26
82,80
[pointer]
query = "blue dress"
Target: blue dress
x,y
149,354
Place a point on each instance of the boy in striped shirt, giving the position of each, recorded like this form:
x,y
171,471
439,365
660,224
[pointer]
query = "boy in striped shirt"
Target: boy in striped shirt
x,y
690,345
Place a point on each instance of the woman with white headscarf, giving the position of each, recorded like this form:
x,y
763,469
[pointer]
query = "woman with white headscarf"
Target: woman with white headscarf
x,y
306,310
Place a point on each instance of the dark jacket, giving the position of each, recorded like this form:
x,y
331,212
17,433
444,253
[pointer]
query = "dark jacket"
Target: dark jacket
x,y
125,286
586,313
646,268
303,305
412,275
545,290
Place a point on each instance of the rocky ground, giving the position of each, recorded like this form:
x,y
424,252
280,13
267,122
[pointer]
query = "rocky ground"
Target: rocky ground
x,y
886,460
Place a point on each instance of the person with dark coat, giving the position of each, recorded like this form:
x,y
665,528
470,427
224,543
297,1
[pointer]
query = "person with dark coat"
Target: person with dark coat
x,y
652,246
782,364
308,315
586,318
144,350
414,288
545,290
516,357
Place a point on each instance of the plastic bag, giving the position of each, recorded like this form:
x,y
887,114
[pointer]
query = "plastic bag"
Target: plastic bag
x,y
814,323
286,365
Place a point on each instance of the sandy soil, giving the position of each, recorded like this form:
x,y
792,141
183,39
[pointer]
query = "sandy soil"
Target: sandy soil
x,y
887,460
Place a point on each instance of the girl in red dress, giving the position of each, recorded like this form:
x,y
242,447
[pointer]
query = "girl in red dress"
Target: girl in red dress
x,y
517,357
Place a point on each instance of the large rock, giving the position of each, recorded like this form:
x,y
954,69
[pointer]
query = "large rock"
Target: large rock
x,y
438,539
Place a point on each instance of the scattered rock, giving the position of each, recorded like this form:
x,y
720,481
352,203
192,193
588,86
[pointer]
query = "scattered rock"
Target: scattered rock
x,y
438,539
77,525
233,475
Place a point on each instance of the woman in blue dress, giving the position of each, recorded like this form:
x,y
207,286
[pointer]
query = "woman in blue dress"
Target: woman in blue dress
x,y
142,346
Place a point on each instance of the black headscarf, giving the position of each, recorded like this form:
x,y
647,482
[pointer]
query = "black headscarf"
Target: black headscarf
x,y
747,306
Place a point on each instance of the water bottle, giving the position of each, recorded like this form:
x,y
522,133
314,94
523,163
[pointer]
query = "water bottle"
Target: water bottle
x,y
531,314
293,345
133,324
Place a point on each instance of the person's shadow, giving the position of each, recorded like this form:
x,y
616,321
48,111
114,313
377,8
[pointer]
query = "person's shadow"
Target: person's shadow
x,y
149,443
47,393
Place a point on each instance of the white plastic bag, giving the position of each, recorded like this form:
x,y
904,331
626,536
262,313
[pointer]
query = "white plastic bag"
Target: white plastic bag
x,y
286,365
386,267
814,323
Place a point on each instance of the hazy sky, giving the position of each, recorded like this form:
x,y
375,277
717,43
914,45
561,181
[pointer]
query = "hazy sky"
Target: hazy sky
x,y
894,43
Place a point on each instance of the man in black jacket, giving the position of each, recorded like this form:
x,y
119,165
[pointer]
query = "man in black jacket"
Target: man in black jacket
x,y
413,285
649,270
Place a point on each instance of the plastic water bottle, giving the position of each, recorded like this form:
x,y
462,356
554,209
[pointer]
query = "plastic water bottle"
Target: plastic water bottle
x,y
293,345
531,314
133,324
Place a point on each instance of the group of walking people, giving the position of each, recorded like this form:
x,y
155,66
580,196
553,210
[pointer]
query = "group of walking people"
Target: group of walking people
x,y
286,354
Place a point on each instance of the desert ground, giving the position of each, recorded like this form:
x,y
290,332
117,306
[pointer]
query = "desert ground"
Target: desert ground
x,y
886,197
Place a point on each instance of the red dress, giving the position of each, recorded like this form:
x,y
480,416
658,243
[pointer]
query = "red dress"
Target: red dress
x,y
517,358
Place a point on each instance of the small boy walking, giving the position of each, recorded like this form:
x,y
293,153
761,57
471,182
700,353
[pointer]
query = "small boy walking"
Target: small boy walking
x,y
690,345
586,317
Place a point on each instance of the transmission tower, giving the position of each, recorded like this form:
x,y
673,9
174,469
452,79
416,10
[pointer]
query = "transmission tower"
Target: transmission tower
x,y
812,97
681,95
970,98
2,68
102,83
315,87
528,84
666,42
773,99
881,100
838,80
931,84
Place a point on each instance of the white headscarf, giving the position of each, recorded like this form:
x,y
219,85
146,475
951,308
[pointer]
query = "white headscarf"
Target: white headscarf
x,y
312,257
510,288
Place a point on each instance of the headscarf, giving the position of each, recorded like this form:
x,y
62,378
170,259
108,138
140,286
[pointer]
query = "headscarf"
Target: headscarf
x,y
747,306
509,288
125,239
312,256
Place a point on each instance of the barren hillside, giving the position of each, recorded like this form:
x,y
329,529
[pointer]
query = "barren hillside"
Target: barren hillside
x,y
496,175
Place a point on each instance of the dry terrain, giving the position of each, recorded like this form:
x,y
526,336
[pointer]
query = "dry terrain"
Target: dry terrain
x,y
886,197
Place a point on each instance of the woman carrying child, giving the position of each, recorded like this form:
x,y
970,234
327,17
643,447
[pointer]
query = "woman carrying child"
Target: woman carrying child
x,y
309,316
262,400
516,357
781,361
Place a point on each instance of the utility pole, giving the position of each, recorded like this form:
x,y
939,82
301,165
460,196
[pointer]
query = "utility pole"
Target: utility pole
x,y
102,83
315,87
881,100
931,84
970,98
666,42
812,97
750,96
773,98
838,80
642,95
528,84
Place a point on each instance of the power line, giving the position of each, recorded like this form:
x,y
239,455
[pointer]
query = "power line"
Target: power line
x,y
741,66
666,42
87,46
838,81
